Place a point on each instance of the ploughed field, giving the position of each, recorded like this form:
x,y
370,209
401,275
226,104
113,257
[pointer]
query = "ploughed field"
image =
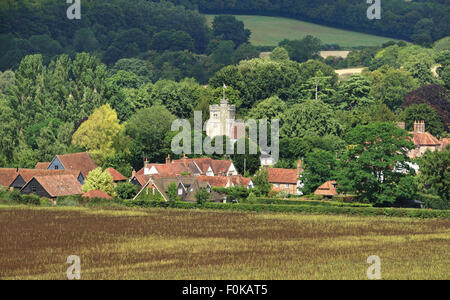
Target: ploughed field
x,y
203,244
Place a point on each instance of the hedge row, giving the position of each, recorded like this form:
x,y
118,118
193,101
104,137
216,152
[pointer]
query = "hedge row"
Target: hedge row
x,y
308,202
309,209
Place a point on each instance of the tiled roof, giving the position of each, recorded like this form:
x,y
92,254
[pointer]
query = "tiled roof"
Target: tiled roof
x,y
97,194
215,181
220,166
327,189
7,176
78,161
116,176
28,174
444,143
42,165
283,176
424,139
60,185
142,179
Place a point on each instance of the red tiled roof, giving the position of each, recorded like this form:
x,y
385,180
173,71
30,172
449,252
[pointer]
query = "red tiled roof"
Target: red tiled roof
x,y
424,139
7,176
215,181
42,165
60,185
327,189
78,161
116,176
97,194
142,179
28,174
283,176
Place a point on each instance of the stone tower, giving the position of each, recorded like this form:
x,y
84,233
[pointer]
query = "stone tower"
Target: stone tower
x,y
222,121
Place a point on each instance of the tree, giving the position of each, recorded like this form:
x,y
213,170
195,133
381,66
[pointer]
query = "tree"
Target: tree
x,y
279,53
148,129
246,162
8,134
126,190
302,50
102,134
229,28
320,167
423,112
434,174
310,118
261,181
353,92
391,85
375,162
202,196
172,193
99,180
269,109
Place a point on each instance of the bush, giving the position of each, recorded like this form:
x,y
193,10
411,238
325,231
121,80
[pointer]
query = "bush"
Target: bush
x,y
344,198
126,190
433,201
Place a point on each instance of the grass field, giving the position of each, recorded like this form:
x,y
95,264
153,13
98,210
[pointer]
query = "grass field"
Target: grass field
x,y
192,244
269,31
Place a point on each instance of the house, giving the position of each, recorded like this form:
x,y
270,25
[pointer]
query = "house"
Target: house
x,y
423,141
444,143
286,180
192,166
42,165
328,189
7,176
139,180
116,176
97,195
227,181
75,161
53,186
187,187
25,175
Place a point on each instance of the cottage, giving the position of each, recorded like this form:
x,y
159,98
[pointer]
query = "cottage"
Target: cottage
x,y
25,175
286,180
227,181
116,176
53,186
75,161
423,141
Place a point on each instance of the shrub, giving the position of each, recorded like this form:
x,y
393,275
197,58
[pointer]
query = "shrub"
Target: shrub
x,y
126,190
433,201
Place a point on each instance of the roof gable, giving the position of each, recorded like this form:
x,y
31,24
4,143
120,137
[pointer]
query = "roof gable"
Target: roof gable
x,y
59,185
283,176
77,161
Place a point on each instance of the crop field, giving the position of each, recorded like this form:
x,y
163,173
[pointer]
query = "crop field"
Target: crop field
x,y
269,31
206,244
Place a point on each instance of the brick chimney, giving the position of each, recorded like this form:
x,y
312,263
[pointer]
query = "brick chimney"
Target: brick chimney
x,y
133,173
419,127
146,169
185,162
229,183
168,159
401,125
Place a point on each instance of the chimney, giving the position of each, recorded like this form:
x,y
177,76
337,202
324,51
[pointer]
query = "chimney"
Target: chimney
x,y
419,127
185,162
299,167
133,173
146,169
168,159
229,183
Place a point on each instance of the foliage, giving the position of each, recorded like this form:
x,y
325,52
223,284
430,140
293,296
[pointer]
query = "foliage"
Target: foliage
x,y
229,28
434,177
126,190
319,167
302,50
261,181
202,196
375,163
99,180
247,162
423,112
172,193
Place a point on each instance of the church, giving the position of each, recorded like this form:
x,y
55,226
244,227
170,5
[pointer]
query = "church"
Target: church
x,y
223,122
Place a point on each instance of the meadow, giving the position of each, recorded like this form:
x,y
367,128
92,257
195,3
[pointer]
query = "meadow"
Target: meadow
x,y
269,31
156,243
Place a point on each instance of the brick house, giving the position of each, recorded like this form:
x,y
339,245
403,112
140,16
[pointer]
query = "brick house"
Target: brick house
x,y
286,180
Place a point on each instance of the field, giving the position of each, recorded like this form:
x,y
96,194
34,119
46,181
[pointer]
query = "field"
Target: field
x,y
204,244
269,31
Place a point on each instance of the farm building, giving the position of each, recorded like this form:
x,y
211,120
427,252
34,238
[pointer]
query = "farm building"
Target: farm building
x,y
97,195
25,175
116,176
75,161
53,186
328,189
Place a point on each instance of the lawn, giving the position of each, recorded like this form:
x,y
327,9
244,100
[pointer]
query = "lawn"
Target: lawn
x,y
269,31
206,244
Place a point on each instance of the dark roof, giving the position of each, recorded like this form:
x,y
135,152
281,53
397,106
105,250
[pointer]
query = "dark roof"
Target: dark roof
x,y
78,161
59,185
28,174
116,176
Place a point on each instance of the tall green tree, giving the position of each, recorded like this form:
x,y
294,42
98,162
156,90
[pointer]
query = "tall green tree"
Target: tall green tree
x,y
319,167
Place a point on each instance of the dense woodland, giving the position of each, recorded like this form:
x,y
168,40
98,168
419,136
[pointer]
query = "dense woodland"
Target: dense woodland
x,y
113,86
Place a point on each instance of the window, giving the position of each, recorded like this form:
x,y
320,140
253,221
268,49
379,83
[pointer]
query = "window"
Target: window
x,y
287,186
180,192
33,188
278,185
56,167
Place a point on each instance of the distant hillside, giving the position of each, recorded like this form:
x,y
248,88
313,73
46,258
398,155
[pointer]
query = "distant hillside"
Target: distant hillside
x,y
269,31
